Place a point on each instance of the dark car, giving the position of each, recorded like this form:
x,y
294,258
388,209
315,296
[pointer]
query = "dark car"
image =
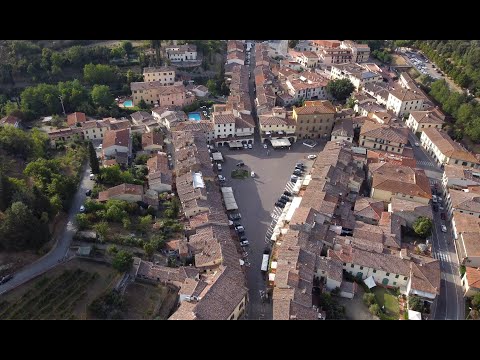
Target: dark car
x,y
435,207
243,238
6,278
287,193
237,223
282,201
442,216
280,205
286,198
299,168
89,192
234,216
293,178
240,229
240,163
300,164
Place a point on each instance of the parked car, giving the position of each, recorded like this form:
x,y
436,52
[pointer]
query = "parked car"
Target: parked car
x,y
435,207
265,146
286,198
287,193
279,204
417,144
234,216
312,157
439,199
252,174
89,192
240,163
244,243
219,167
444,228
441,208
92,176
297,172
221,178
100,147
283,201
300,164
6,278
243,238
442,216
250,146
434,199
293,178
245,146
82,209
240,229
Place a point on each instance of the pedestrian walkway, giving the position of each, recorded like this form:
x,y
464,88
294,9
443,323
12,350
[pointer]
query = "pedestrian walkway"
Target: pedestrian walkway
x,y
441,256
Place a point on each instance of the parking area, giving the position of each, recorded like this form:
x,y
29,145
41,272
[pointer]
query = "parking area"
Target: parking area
x,y
422,64
256,197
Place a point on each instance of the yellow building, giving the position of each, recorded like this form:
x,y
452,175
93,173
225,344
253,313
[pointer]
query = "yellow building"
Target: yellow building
x,y
314,120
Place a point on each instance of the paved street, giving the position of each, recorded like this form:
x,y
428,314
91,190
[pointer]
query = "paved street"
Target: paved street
x,y
60,249
255,199
450,303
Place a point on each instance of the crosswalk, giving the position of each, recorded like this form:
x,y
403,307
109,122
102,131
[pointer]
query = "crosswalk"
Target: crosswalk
x,y
441,256
426,163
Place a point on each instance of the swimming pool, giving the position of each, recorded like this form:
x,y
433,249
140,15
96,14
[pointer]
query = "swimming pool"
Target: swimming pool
x,y
194,116
128,103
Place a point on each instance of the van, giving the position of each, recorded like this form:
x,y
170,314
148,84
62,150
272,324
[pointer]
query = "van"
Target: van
x,y
219,167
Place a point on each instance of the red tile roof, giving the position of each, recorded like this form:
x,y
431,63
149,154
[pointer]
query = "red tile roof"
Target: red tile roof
x,y
76,117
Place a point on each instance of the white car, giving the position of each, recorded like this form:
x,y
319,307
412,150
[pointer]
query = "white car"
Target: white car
x,y
245,146
250,146
444,228
265,146
82,209
221,178
312,157
417,144
99,147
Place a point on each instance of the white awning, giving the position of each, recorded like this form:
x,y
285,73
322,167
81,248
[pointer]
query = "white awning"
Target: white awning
x,y
271,277
370,282
198,180
414,315
274,265
217,156
280,142
228,198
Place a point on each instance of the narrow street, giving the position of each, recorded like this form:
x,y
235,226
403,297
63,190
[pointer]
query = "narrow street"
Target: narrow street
x,y
450,303
60,250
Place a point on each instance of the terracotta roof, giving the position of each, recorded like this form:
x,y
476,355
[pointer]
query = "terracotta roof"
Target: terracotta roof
x,y
152,138
224,119
399,206
466,201
465,223
471,243
407,94
333,269
324,107
76,117
426,277
473,277
116,137
158,69
448,147
453,171
141,115
121,189
343,127
158,162
376,156
159,86
400,179
426,117
369,208
374,130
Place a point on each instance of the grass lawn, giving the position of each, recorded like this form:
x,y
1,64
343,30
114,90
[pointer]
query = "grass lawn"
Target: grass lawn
x,y
387,298
398,60
240,174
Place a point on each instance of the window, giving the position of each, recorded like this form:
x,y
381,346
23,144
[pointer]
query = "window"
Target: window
x,y
361,267
374,271
344,264
387,274
405,278
394,283
352,265
396,276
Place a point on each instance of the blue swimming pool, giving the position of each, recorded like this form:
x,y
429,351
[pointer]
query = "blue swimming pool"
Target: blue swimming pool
x,y
194,116
128,103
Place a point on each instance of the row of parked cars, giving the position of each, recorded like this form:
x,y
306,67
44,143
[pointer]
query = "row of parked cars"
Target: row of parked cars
x,y
297,172
239,228
437,204
284,198
6,278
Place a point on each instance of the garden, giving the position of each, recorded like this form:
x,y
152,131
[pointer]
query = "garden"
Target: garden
x,y
240,174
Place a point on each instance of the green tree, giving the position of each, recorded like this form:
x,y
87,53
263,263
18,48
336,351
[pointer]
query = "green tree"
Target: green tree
x,y
142,104
141,159
374,309
100,74
292,43
114,213
112,249
369,299
127,46
21,230
423,226
415,303
158,241
82,221
101,96
340,89
118,52
145,223
94,164
476,301
149,249
351,102
102,230
127,224
122,261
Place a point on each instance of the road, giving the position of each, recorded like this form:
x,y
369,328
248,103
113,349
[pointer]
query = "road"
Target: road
x,y
61,247
450,304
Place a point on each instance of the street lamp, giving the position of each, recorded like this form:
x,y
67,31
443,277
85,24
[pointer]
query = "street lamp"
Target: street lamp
x,y
61,100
